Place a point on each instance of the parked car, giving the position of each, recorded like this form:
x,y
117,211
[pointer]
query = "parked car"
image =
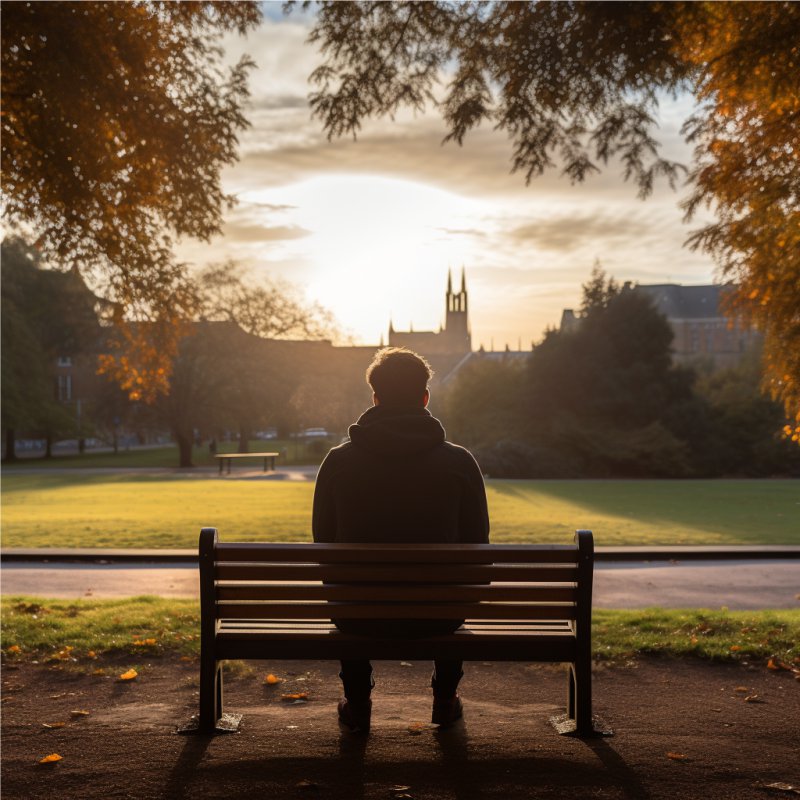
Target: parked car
x,y
315,433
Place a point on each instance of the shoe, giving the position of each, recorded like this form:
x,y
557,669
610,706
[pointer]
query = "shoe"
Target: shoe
x,y
447,711
355,714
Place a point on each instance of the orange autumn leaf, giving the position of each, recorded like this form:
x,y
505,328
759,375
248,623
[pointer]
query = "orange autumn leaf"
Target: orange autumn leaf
x,y
15,648
53,724
51,759
91,654
678,756
79,713
272,679
735,647
130,675
296,696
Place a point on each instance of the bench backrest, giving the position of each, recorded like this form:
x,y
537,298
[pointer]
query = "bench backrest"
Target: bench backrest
x,y
260,581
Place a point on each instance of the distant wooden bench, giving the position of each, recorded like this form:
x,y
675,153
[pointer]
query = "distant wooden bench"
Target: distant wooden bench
x,y
269,459
275,601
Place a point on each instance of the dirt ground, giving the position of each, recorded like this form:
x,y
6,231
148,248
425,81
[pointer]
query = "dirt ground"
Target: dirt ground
x,y
683,729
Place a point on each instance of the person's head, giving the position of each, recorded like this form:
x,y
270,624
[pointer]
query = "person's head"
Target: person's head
x,y
399,378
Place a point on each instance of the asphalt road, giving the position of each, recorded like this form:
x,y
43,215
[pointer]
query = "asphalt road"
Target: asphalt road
x,y
707,584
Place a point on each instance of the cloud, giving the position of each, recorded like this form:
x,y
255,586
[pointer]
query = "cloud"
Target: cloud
x,y
462,231
575,230
239,232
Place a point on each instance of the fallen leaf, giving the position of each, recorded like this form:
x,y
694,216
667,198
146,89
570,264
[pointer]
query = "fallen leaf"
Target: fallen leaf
x,y
272,679
57,696
98,671
296,696
735,647
399,788
51,759
130,675
753,698
79,713
417,728
15,648
782,787
53,724
743,689
186,658
406,664
306,784
91,654
678,756
772,665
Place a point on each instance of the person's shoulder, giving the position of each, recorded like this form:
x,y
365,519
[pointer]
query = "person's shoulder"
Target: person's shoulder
x,y
337,455
459,455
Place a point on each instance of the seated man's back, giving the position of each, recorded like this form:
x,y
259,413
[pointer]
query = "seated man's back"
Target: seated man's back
x,y
397,480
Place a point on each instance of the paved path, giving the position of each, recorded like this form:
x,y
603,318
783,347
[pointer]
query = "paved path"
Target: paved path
x,y
757,584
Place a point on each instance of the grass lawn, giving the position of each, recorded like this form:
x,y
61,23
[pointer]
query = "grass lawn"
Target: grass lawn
x,y
122,510
82,631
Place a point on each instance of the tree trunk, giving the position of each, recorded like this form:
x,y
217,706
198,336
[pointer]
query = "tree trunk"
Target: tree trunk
x,y
81,445
48,446
185,442
244,439
11,450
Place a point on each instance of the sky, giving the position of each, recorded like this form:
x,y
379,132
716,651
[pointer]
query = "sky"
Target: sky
x,y
370,228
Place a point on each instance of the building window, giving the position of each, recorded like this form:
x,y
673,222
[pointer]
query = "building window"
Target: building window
x,y
64,361
64,388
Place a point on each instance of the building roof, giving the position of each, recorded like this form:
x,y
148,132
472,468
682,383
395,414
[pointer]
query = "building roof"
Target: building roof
x,y
685,302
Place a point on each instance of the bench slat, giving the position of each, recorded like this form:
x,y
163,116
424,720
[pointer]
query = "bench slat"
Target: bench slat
x,y
395,592
384,573
405,611
395,553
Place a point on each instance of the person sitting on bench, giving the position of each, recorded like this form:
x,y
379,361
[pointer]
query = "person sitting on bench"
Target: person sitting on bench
x,y
398,480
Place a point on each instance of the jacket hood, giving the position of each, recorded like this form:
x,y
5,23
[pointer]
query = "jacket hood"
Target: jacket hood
x,y
396,432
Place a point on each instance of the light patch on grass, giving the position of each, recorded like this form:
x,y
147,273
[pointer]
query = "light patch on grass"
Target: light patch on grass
x,y
119,510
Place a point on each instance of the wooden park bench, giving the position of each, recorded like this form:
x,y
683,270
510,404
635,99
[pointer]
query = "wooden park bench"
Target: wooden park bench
x,y
275,601
269,459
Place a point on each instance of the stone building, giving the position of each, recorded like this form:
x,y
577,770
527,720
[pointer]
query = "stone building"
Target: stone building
x,y
702,333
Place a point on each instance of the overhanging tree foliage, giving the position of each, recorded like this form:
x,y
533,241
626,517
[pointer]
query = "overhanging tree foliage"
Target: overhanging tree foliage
x,y
575,85
117,120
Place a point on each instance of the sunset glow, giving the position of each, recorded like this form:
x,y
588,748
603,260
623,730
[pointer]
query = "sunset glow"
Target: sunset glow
x,y
369,228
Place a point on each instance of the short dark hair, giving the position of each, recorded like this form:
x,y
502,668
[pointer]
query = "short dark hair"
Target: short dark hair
x,y
399,377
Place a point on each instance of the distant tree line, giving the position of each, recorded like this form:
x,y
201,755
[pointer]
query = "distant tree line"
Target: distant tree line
x,y
606,400
254,356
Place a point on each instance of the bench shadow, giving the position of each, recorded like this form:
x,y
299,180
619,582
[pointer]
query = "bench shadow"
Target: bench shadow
x,y
462,772
180,778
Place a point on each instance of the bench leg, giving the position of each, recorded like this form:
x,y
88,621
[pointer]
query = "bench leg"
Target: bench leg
x,y
210,695
570,692
583,697
218,683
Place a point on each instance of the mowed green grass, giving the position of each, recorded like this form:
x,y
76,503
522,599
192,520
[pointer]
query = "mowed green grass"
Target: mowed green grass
x,y
119,510
79,631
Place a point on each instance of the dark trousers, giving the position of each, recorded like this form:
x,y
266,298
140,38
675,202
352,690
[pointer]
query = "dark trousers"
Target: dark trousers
x,y
356,674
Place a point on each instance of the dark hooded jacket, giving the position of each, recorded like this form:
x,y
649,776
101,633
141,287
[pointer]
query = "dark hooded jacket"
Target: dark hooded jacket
x,y
398,480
